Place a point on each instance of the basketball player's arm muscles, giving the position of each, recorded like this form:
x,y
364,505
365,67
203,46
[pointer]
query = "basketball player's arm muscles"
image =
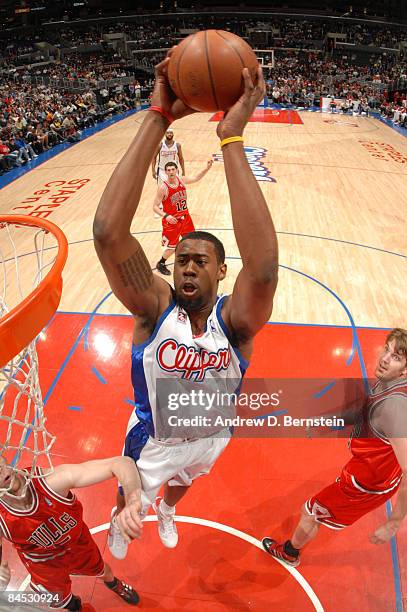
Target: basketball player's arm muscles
x,y
392,423
181,159
70,476
251,303
159,197
121,255
77,475
124,261
187,180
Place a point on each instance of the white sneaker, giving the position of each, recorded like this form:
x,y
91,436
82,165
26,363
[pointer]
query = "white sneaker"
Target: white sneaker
x,y
167,529
117,546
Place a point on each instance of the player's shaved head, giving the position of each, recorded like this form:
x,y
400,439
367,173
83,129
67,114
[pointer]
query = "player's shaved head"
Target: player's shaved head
x,y
199,235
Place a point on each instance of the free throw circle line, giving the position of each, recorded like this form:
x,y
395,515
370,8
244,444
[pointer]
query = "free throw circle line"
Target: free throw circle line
x,y
226,529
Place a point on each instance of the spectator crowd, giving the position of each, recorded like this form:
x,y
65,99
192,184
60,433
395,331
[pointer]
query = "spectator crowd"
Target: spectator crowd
x,y
42,106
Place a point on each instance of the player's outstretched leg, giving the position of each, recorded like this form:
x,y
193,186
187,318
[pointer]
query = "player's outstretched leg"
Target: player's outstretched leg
x,y
289,551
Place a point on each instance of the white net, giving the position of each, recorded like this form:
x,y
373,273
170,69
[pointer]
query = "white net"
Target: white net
x,y
26,255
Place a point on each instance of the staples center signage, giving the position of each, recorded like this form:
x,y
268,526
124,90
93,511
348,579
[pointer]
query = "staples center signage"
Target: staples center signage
x,y
52,195
384,151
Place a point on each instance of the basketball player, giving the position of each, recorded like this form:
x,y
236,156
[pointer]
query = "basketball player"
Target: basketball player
x,y
43,520
377,469
170,204
186,332
168,150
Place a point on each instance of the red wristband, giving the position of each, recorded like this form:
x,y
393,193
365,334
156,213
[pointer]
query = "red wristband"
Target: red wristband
x,y
162,112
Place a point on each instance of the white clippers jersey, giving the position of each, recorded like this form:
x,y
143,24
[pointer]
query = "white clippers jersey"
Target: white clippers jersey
x,y
167,154
173,352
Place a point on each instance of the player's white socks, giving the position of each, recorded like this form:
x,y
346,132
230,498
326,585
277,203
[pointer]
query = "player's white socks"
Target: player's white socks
x,y
166,510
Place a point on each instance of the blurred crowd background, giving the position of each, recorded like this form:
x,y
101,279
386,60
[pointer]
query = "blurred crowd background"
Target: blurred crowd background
x,y
65,66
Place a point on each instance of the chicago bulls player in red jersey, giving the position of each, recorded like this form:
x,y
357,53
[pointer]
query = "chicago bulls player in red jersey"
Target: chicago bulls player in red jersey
x,y
377,468
42,518
171,205
211,337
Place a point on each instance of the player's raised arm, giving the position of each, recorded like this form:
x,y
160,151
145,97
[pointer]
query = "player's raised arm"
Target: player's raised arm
x,y
251,303
187,180
121,255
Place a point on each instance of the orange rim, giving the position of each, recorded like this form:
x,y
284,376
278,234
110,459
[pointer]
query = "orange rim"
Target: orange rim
x,y
25,321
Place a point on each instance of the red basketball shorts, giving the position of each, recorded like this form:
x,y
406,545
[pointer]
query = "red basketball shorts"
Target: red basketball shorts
x,y
53,576
173,232
343,503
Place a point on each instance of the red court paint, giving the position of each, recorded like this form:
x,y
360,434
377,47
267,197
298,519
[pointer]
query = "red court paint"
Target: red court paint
x,y
257,486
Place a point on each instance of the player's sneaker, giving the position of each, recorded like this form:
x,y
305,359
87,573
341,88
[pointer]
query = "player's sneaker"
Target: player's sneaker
x,y
277,551
117,545
125,591
167,528
74,605
161,267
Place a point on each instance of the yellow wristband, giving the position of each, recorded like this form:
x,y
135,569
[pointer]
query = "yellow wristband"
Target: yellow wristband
x,y
226,141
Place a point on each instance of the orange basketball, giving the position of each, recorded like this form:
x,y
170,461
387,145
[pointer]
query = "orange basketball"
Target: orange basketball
x,y
205,69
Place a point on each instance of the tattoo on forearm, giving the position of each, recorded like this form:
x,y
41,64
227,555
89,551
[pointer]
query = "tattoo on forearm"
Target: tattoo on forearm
x,y
136,272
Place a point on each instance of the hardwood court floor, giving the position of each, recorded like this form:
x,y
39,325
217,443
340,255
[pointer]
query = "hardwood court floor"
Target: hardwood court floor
x,y
338,203
336,187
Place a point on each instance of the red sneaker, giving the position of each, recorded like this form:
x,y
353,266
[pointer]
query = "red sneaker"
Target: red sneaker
x,y
277,551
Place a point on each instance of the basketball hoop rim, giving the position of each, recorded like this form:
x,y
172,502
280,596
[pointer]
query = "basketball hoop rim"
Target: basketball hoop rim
x,y
25,321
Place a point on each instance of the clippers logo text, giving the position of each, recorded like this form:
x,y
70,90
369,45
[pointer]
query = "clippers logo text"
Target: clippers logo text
x,y
193,364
